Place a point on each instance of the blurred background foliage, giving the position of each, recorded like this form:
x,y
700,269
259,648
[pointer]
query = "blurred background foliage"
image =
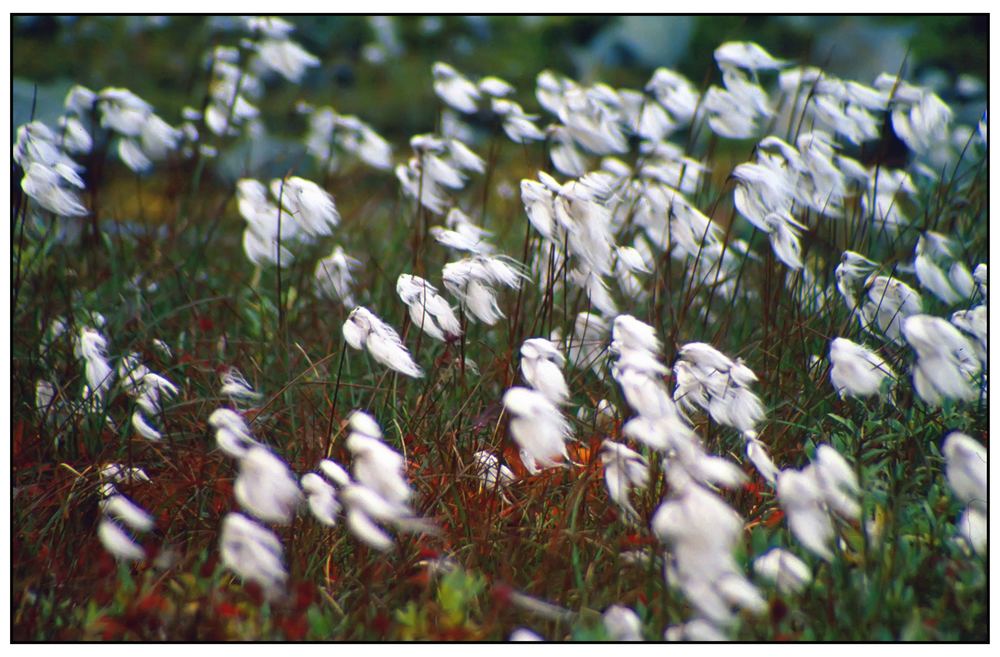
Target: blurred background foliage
x,y
380,67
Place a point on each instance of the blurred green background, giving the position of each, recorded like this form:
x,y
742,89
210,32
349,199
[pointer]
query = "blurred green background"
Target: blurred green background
x,y
379,68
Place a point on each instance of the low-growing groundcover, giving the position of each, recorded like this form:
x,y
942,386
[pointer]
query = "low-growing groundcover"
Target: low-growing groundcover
x,y
578,362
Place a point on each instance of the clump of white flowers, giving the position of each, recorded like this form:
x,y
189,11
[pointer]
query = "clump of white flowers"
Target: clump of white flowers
x,y
857,371
538,427
378,495
428,309
813,496
364,331
966,467
946,365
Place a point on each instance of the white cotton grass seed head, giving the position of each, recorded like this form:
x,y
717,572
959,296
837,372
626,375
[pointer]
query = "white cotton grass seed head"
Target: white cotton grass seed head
x,y
524,635
491,472
966,468
236,387
265,487
122,508
789,573
253,552
117,541
856,370
363,330
428,309
946,367
624,469
537,425
322,499
334,472
622,624
541,366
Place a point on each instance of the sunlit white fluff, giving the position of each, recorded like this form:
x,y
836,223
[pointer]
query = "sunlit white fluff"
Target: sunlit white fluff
x,y
461,234
975,324
541,366
232,435
285,57
252,551
624,469
428,309
629,333
127,511
537,426
966,467
857,371
719,385
334,472
701,531
746,54
758,455
266,488
312,207
622,624
51,190
91,347
455,89
518,126
322,498
809,497
236,387
786,570
364,331
492,473
334,275
116,541
887,303
472,281
946,362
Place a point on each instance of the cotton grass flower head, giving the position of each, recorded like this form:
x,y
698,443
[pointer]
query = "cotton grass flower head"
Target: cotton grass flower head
x,y
537,426
91,346
788,572
701,531
428,309
975,324
624,469
887,303
541,366
938,270
236,387
253,552
312,207
285,57
364,331
622,624
117,541
232,435
51,188
966,467
810,497
709,379
461,234
455,89
334,276
472,281
492,473
946,362
857,371
265,487
128,512
322,498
